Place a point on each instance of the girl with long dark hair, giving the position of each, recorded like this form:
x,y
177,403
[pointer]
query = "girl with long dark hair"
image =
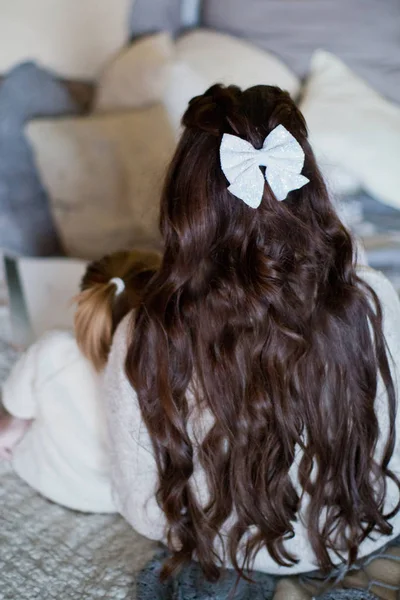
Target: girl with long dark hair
x,y
252,395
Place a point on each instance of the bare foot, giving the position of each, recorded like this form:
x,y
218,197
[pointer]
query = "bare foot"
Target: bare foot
x,y
12,430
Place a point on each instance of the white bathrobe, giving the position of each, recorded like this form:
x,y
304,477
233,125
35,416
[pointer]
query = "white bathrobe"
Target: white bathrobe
x,y
65,453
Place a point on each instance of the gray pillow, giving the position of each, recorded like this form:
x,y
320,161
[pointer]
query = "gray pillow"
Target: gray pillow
x,y
26,225
149,16
365,34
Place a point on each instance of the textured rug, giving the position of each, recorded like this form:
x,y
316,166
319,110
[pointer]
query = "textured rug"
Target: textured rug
x,y
47,552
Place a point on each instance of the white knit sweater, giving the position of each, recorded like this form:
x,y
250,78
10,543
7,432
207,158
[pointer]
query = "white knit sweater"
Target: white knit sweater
x,y
134,468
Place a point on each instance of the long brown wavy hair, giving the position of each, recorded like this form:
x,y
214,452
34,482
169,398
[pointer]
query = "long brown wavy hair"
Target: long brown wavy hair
x,y
259,317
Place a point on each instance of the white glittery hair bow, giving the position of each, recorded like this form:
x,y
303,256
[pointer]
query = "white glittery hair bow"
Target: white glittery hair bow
x,y
282,156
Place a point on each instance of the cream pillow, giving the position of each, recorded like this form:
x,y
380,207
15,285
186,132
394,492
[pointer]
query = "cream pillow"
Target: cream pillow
x,y
203,58
104,175
72,37
153,69
137,76
221,58
353,128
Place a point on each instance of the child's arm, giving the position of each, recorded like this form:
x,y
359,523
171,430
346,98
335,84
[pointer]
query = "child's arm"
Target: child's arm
x,y
19,399
12,430
19,390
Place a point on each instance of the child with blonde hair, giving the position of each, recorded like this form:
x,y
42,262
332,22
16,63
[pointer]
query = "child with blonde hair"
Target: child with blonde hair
x,y
55,432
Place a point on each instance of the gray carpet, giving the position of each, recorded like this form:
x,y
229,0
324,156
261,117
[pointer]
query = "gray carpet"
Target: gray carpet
x,y
49,552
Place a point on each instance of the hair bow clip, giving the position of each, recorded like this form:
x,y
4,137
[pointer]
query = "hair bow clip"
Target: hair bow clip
x,y
282,156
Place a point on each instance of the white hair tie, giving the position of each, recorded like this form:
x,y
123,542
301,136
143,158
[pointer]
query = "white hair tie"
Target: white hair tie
x,y
282,156
119,284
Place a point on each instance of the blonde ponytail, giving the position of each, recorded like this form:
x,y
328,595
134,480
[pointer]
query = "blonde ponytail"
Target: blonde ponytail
x,y
102,303
94,322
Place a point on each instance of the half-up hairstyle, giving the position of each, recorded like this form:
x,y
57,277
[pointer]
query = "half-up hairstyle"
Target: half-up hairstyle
x,y
259,318
100,307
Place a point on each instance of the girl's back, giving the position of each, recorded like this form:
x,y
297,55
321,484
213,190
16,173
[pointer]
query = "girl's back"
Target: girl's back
x,y
134,468
258,322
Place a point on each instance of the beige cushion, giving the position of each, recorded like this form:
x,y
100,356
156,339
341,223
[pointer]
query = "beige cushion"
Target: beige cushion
x,y
104,175
137,76
204,58
353,128
156,69
74,38
221,58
